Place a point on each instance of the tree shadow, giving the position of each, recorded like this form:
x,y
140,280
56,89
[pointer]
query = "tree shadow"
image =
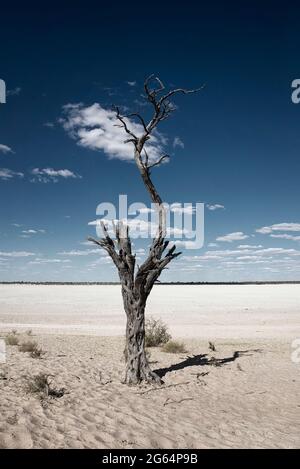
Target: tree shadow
x,y
204,359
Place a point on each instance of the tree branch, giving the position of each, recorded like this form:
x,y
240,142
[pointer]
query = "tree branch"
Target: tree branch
x,y
124,125
158,162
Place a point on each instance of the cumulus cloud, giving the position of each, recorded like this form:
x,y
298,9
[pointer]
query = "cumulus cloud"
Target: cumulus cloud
x,y
16,254
49,261
5,149
213,207
285,236
279,227
181,209
97,128
7,174
52,175
31,231
143,211
285,258
230,237
140,228
177,142
85,252
184,244
249,246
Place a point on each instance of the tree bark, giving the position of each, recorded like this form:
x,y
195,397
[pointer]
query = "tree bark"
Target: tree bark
x,y
137,365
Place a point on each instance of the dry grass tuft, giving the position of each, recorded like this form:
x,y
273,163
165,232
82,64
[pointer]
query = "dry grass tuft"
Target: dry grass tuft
x,y
12,339
174,347
32,348
41,384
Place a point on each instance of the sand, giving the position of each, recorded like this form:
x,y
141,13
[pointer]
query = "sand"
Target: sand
x,y
223,311
210,399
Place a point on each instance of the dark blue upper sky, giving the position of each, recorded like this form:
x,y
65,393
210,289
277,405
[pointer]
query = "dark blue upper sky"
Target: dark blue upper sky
x,y
240,135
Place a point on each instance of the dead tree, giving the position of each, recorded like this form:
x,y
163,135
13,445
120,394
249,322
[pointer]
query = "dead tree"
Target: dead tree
x,y
137,282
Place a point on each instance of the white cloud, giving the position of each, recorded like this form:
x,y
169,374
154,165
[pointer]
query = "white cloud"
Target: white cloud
x,y
214,206
97,128
184,244
279,227
293,252
285,236
131,83
77,252
249,246
31,231
143,211
7,174
52,175
5,149
49,261
14,92
230,237
280,256
177,142
16,254
140,228
176,207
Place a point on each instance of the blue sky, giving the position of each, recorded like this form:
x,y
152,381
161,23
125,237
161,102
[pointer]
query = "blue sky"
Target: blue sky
x,y
235,144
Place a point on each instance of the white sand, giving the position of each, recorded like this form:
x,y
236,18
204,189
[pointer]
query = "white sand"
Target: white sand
x,y
237,311
251,401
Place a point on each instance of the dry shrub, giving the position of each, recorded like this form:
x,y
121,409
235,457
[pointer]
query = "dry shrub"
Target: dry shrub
x,y
12,339
156,333
174,347
41,384
32,348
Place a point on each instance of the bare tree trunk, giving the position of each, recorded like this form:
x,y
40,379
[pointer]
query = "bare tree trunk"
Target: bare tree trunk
x,y
137,366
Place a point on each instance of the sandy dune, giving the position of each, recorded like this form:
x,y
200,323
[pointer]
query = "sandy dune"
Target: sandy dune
x,y
209,399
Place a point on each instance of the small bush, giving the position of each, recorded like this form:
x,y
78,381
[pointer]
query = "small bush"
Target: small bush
x,y
41,384
12,339
28,346
156,333
29,332
174,347
32,348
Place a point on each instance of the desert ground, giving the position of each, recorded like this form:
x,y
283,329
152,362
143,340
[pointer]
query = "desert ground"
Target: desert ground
x,y
245,394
